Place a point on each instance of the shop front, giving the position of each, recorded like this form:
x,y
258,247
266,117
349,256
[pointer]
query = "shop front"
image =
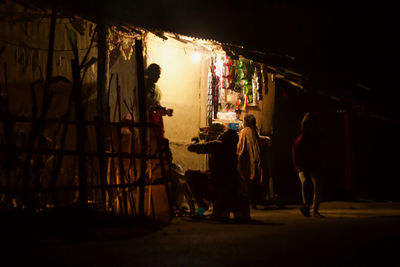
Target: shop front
x,y
208,86
209,89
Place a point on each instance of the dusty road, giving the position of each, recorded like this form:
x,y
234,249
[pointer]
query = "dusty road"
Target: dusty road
x,y
351,234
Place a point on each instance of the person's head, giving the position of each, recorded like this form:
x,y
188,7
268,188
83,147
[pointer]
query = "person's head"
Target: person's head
x,y
153,72
249,121
309,123
229,137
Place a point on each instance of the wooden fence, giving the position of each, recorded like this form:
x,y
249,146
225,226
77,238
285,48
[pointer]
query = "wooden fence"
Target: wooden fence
x,y
111,177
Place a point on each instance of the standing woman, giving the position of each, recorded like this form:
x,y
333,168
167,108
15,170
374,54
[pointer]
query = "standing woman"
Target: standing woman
x,y
249,157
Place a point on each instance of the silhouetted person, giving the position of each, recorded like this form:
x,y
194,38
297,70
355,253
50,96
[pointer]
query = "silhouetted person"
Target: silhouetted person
x,y
249,156
306,160
153,97
153,93
157,140
222,184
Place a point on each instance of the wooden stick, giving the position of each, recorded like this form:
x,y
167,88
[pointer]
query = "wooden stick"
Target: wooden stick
x,y
102,160
76,188
49,151
8,130
143,121
59,157
119,138
80,131
88,123
37,127
164,148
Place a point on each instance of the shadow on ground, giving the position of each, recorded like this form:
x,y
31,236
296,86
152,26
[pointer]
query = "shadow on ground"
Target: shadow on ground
x,y
74,225
210,220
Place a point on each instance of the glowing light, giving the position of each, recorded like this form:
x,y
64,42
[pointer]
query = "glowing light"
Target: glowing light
x,y
196,57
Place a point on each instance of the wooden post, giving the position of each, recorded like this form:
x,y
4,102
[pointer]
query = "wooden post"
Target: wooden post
x,y
47,97
80,131
102,71
8,125
122,175
102,103
59,158
143,122
100,139
49,67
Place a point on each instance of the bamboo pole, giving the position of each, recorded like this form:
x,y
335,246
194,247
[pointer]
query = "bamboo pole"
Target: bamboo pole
x,y
100,139
52,151
88,123
75,188
8,129
101,142
143,121
108,133
58,159
164,148
102,101
80,132
132,169
37,127
101,69
120,160
113,172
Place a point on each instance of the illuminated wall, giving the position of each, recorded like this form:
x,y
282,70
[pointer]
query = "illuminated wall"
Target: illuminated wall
x,y
125,70
183,84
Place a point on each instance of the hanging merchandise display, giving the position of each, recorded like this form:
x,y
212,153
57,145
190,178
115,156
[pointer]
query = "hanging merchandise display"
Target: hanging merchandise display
x,y
245,81
233,85
213,91
210,115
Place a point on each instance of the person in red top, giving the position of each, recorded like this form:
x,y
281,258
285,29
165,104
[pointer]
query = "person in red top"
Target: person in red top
x,y
153,97
306,160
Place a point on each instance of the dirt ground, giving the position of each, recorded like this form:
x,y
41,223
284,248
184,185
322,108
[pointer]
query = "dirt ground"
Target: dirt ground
x,y
351,234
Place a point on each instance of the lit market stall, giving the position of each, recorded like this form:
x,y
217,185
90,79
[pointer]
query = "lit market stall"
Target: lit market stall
x,y
209,87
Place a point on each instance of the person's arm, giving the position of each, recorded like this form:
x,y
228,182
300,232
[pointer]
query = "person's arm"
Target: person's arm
x,y
241,146
205,148
296,157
